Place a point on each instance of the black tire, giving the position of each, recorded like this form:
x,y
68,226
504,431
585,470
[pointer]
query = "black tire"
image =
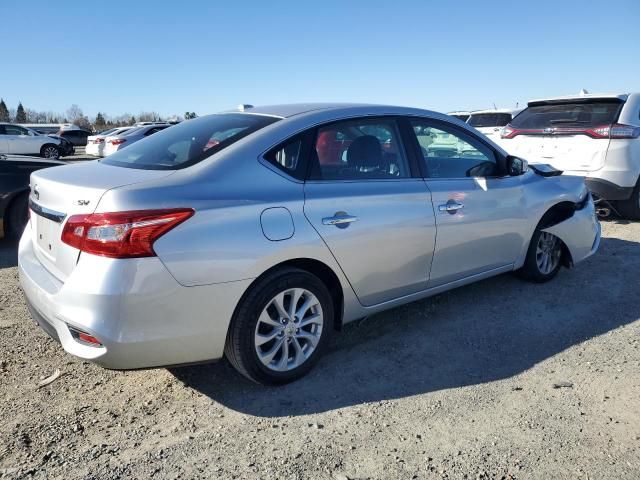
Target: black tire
x,y
50,150
17,216
531,270
630,209
240,347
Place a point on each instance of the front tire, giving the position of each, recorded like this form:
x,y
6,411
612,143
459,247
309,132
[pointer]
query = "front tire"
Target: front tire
x,y
630,209
50,151
281,327
544,257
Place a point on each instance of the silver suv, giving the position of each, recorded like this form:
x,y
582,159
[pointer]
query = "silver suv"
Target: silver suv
x,y
18,140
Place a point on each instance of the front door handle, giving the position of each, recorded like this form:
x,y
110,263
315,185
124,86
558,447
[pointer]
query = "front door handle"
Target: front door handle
x,y
340,220
451,206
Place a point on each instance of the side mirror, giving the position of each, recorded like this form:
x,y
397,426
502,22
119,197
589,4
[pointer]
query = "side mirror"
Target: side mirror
x,y
516,166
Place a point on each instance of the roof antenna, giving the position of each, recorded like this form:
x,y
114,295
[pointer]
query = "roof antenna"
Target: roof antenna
x,y
583,92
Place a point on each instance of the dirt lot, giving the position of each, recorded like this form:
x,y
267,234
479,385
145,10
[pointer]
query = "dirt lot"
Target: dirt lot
x,y
502,379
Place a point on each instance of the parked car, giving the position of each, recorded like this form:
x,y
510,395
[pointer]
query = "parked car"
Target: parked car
x,y
113,143
14,190
76,136
96,143
242,234
65,147
18,140
594,136
490,122
460,115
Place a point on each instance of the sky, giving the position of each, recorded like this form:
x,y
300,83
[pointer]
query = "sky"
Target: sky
x,y
206,56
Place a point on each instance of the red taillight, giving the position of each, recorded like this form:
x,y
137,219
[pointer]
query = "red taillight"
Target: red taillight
x,y
123,234
617,130
84,337
117,141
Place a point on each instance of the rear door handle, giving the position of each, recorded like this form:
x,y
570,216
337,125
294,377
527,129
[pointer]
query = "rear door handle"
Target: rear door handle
x,y
340,220
451,206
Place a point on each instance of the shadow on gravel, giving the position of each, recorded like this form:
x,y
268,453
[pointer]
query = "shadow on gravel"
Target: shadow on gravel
x,y
8,253
489,331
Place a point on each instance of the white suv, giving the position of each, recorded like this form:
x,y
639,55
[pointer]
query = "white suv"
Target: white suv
x,y
490,122
23,141
594,136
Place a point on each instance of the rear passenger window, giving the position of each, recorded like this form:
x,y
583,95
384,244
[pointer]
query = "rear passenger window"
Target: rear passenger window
x,y
365,149
449,153
288,158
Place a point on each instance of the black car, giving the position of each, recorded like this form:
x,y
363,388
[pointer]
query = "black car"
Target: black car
x,y
66,147
15,171
77,137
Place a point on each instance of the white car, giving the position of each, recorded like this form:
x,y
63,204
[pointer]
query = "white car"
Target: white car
x,y
96,143
113,143
490,122
19,140
460,115
590,135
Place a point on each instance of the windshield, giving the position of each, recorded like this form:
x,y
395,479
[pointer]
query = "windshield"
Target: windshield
x,y
569,114
461,116
489,119
189,142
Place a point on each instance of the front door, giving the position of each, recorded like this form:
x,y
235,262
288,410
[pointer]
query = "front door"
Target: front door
x,y
373,214
478,211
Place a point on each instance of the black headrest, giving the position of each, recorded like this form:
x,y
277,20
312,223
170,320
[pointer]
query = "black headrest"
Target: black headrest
x,y
365,152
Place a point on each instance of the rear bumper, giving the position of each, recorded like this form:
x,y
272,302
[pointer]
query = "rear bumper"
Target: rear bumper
x,y
134,307
608,190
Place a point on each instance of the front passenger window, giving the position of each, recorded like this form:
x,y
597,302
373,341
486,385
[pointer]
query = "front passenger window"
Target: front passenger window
x,y
365,149
449,153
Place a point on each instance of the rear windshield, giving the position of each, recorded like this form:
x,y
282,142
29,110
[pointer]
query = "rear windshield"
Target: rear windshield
x,y
461,116
489,119
189,142
570,114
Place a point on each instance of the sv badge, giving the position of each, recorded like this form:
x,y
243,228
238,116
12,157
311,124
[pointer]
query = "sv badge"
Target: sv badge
x,y
83,202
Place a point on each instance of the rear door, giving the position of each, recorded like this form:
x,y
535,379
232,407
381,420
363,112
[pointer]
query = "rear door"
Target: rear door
x,y
564,134
367,203
477,210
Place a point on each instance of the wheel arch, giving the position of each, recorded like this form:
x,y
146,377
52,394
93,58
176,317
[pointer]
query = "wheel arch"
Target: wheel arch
x,y
556,213
320,270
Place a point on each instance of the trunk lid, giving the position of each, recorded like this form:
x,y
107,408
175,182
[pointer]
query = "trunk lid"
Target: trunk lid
x,y
57,193
564,132
570,153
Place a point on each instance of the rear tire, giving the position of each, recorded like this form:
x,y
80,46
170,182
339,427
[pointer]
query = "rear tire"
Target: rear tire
x,y
17,216
630,209
544,257
50,151
272,342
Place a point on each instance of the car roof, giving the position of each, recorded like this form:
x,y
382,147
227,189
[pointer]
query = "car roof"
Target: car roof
x,y
292,109
595,96
459,112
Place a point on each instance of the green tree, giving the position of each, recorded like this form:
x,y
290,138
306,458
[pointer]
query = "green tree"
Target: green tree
x,y
4,112
133,120
190,115
100,123
21,115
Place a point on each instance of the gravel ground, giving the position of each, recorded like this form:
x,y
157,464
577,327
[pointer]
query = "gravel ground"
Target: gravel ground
x,y
502,379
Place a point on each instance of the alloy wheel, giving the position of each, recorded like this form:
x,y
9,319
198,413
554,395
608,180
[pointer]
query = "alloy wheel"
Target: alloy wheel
x,y
51,152
548,253
288,330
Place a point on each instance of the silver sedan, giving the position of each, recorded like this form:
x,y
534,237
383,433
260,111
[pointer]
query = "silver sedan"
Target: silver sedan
x,y
257,234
